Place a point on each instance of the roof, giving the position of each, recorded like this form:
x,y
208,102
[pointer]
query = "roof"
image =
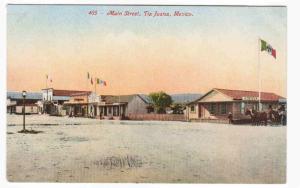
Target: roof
x,y
282,100
29,95
109,99
60,92
61,98
240,94
145,98
115,99
83,93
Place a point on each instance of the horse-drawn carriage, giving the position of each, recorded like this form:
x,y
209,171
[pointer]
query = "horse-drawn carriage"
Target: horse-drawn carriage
x,y
272,117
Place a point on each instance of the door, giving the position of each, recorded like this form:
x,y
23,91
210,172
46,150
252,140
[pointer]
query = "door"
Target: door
x,y
199,111
105,111
95,110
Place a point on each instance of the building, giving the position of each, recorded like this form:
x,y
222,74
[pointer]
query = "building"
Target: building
x,y
216,104
89,104
53,99
82,104
14,101
121,107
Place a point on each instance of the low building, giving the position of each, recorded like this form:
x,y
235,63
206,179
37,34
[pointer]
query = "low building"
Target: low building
x,y
216,104
121,107
14,101
53,99
78,104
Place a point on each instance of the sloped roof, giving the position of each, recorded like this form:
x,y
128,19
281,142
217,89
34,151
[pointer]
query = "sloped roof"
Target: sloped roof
x,y
109,99
83,93
239,94
29,95
115,99
145,98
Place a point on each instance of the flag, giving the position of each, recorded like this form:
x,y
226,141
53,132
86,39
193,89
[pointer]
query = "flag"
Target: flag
x,y
102,82
88,75
268,48
98,81
46,76
51,80
92,81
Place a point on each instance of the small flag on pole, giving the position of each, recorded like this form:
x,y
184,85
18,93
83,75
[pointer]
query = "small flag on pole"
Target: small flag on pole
x,y
102,82
98,81
88,75
268,48
46,76
92,81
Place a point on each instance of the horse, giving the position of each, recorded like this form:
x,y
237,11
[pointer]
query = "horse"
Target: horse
x,y
257,118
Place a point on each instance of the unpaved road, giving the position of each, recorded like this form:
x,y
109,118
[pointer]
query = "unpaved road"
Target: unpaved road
x,y
88,150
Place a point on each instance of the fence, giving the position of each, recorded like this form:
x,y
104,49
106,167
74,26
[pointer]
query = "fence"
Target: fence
x,y
223,121
158,117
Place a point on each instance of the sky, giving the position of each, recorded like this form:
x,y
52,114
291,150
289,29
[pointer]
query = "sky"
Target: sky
x,y
217,47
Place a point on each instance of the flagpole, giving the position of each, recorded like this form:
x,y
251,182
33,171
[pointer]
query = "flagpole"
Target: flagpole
x,y
119,97
95,83
46,81
259,77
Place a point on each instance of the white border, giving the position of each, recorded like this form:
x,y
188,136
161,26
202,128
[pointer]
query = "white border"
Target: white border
x,y
293,174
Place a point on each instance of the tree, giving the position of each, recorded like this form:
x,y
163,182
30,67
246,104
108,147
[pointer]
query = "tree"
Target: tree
x,y
160,101
177,108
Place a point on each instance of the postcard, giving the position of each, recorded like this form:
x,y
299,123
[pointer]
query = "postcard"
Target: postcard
x,y
146,93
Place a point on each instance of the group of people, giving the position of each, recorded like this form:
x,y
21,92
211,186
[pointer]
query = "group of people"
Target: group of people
x,y
278,114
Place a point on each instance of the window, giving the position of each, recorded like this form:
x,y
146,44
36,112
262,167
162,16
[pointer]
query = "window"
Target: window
x,y
109,110
223,108
242,107
212,108
150,109
193,108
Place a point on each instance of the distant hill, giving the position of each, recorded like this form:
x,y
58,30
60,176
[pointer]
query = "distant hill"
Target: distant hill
x,y
185,97
178,98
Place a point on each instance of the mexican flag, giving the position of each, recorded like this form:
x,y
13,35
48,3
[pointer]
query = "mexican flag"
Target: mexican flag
x,y
268,48
102,82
